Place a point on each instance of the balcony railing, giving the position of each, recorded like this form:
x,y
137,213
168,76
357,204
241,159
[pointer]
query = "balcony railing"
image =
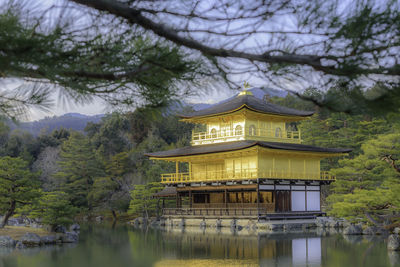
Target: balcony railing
x,y
245,174
215,211
261,134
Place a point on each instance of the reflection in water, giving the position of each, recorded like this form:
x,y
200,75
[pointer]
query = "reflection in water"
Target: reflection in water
x,y
211,249
102,246
306,251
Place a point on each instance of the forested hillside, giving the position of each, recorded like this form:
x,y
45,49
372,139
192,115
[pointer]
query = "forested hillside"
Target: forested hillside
x,y
72,121
94,171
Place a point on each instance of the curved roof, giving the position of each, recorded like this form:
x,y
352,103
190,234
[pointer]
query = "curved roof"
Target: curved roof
x,y
237,145
252,103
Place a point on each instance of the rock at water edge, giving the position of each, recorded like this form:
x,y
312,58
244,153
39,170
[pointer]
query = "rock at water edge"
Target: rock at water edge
x,y
393,242
60,229
30,240
74,227
353,230
70,237
50,239
6,241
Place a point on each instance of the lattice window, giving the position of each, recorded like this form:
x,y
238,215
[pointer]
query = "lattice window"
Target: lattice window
x,y
252,130
238,130
213,133
278,132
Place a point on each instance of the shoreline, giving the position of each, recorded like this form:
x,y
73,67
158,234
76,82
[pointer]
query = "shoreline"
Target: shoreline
x,y
20,237
288,225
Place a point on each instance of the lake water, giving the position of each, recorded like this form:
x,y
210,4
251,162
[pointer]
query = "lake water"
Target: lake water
x,y
104,246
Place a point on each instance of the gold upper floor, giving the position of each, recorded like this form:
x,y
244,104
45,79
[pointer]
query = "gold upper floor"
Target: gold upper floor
x,y
245,124
247,164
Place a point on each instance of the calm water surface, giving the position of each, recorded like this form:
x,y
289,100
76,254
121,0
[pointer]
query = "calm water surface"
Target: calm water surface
x,y
104,246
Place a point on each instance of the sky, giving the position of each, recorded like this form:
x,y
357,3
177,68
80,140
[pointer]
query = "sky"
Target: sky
x,y
98,106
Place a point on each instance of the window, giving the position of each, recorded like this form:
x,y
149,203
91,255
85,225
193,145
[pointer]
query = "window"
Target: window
x,y
278,132
213,133
252,130
232,196
199,198
225,129
266,197
216,197
238,130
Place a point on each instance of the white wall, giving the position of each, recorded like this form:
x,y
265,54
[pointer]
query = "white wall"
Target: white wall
x,y
313,201
298,200
306,251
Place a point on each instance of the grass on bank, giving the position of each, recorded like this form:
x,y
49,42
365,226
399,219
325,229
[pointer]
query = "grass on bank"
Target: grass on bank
x,y
16,232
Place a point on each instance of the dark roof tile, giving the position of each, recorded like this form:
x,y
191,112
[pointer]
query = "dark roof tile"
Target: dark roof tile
x,y
251,102
231,146
167,191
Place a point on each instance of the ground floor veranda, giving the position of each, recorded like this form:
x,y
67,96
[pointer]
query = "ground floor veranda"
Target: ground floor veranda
x,y
275,199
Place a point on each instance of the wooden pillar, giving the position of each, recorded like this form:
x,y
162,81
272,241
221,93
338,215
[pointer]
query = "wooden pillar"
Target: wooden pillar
x,y
190,199
273,167
258,198
242,202
177,169
241,165
205,167
226,199
190,171
305,198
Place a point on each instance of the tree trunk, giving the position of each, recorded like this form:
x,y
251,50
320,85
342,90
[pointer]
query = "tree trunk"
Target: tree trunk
x,y
8,214
372,220
114,214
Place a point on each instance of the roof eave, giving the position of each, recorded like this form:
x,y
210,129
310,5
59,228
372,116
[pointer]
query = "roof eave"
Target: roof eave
x,y
187,118
325,153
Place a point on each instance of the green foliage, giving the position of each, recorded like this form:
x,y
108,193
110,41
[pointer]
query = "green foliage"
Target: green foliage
x,y
111,135
368,186
78,168
96,173
143,203
102,191
18,185
53,208
17,182
148,170
112,191
4,132
341,130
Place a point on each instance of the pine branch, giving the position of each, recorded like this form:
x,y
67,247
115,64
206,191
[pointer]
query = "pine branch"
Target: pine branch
x,y
392,162
136,17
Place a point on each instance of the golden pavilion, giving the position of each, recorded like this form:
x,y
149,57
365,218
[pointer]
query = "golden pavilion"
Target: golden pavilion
x,y
247,162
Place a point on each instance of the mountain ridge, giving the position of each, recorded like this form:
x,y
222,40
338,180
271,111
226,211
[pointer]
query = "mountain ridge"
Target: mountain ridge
x,y
77,121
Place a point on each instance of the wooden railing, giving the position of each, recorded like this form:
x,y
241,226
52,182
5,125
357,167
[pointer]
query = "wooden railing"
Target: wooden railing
x,y
215,211
241,212
246,133
245,174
